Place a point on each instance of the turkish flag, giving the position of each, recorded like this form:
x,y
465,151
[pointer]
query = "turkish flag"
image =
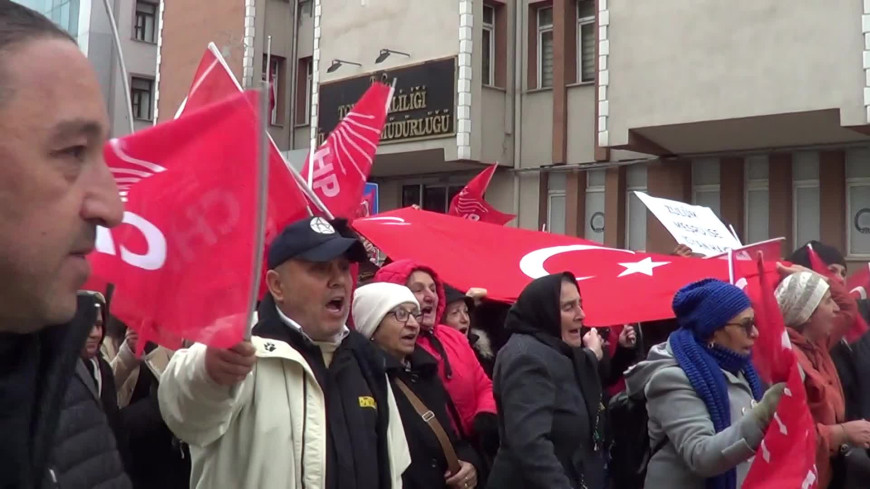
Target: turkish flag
x,y
182,260
470,204
786,457
343,162
504,260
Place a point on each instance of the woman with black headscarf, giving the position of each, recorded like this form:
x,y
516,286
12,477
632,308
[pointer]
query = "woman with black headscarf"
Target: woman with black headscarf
x,y
548,393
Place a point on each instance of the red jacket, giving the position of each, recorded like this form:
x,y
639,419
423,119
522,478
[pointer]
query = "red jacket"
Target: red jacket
x,y
468,386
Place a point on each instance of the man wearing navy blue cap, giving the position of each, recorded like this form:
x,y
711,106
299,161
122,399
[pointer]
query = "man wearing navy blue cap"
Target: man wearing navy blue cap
x,y
305,403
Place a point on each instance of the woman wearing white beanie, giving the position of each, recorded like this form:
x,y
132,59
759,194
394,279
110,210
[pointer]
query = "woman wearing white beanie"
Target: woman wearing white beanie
x,y
388,314
810,312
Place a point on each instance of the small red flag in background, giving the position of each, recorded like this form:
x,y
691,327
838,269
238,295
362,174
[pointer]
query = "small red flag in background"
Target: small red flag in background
x,y
343,162
470,204
859,282
786,457
859,326
181,261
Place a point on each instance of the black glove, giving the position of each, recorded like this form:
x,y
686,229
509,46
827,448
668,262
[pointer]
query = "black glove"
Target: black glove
x,y
485,427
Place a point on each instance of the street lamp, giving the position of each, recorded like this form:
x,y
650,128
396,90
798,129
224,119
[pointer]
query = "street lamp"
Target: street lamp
x,y
336,64
385,53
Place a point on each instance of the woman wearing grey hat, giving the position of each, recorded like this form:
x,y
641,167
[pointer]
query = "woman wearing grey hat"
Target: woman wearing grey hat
x,y
810,313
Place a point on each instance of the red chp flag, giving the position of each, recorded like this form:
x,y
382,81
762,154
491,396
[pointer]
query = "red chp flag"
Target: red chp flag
x,y
504,260
181,261
787,454
470,204
287,203
343,162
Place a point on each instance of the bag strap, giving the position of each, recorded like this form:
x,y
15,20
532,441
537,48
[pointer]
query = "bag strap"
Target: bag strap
x,y
430,419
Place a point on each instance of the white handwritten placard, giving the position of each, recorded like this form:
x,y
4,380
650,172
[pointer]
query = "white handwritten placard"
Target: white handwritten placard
x,y
692,225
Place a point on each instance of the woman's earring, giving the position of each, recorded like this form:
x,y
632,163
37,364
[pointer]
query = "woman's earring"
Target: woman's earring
x,y
710,345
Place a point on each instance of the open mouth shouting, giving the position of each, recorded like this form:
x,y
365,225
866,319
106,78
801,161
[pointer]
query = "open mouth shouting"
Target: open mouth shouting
x,y
337,306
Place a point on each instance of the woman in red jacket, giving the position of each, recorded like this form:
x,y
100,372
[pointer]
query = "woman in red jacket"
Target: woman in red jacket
x,y
469,387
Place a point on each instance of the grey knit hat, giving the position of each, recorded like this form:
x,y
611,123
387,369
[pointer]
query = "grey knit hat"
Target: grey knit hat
x,y
799,295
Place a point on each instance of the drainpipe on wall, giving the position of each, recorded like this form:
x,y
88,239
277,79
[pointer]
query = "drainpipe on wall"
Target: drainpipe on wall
x,y
294,68
517,108
125,77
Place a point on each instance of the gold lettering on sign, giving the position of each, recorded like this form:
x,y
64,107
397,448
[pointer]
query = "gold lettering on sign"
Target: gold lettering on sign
x,y
415,128
402,102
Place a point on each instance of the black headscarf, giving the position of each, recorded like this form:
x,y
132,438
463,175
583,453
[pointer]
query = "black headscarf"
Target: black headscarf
x,y
536,311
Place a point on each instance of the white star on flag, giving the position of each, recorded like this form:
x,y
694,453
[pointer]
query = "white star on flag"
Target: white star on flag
x,y
644,266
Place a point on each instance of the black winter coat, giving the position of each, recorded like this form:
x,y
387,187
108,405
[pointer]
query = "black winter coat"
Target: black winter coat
x,y
549,400
55,434
428,462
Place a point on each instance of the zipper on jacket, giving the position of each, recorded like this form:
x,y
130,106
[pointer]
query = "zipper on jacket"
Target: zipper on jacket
x,y
53,478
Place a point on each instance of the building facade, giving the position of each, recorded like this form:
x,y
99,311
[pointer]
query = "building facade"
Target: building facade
x,y
581,102
88,22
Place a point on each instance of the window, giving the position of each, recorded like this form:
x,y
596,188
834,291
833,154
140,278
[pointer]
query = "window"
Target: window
x,y
488,50
545,47
435,198
146,21
556,184
635,219
303,91
805,178
586,40
757,213
142,93
705,183
276,89
858,202
595,205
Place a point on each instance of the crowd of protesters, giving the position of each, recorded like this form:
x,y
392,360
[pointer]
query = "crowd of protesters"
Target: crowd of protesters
x,y
401,382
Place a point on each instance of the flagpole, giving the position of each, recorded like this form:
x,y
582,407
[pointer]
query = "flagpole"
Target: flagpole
x,y
262,190
315,92
125,79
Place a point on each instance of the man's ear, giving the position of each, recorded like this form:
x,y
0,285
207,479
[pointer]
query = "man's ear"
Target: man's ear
x,y
273,282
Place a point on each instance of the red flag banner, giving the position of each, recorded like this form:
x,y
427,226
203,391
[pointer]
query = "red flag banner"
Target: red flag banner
x,y
504,260
343,162
770,249
181,260
286,203
786,457
470,204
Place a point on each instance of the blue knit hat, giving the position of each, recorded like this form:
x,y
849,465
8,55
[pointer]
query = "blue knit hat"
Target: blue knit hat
x,y
705,306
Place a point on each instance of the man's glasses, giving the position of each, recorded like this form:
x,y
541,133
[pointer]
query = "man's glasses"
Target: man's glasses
x,y
747,324
403,315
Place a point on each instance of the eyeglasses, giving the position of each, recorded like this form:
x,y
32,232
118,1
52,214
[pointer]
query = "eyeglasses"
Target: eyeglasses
x,y
404,315
748,325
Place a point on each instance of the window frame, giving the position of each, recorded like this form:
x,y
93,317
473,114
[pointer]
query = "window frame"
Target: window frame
x,y
802,184
136,93
137,14
581,21
309,80
629,191
592,190
550,195
854,182
447,186
275,68
489,28
540,31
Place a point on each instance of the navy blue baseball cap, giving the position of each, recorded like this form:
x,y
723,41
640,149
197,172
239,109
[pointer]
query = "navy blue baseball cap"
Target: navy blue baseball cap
x,y
315,239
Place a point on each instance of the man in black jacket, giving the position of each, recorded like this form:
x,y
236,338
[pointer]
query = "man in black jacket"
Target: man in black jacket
x,y
55,189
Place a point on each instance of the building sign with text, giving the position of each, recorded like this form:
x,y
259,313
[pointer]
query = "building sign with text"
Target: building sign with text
x,y
422,107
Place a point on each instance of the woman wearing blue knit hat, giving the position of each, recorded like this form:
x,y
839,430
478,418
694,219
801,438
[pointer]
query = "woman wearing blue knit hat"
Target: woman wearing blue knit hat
x,y
707,407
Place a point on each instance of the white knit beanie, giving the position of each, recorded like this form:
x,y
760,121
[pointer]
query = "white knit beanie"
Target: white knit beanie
x,y
799,295
372,302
